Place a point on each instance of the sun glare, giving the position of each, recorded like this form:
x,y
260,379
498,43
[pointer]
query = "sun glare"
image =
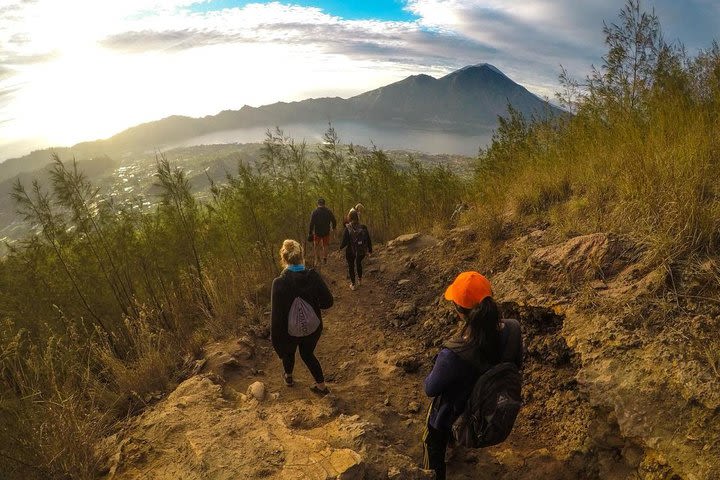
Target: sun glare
x,y
92,93
85,89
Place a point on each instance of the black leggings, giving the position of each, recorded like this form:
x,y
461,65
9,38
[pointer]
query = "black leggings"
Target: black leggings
x,y
435,443
352,261
307,353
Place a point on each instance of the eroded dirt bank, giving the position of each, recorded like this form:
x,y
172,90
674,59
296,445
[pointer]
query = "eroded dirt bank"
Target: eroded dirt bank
x,y
602,398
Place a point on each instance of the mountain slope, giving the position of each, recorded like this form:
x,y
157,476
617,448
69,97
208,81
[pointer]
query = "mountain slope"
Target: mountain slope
x,y
468,100
469,97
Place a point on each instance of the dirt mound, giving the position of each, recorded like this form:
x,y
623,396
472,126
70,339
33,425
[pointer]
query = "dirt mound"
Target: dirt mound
x,y
609,380
655,399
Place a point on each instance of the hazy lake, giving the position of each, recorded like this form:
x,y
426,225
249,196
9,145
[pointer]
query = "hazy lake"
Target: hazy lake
x,y
386,138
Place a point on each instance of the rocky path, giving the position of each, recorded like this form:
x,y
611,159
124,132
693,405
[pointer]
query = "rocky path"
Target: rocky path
x,y
371,371
595,399
375,371
375,350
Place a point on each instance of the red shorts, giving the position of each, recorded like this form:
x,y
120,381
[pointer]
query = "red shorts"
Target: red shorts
x,y
317,240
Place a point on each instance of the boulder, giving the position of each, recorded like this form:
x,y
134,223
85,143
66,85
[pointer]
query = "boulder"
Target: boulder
x,y
244,350
409,364
349,464
594,256
404,240
412,242
228,363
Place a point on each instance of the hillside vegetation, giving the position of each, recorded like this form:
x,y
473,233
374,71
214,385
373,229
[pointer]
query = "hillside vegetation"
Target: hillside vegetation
x,y
641,155
105,306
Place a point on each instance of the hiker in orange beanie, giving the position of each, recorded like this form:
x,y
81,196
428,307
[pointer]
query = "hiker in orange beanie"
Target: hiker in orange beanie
x,y
482,341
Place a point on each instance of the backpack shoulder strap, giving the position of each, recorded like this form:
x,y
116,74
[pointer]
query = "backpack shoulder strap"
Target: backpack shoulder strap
x,y
468,354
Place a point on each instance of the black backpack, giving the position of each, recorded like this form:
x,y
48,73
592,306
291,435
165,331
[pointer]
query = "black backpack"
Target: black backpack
x,y
491,410
358,239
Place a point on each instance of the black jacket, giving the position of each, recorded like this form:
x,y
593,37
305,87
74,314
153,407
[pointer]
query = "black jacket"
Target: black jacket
x,y
347,241
307,284
320,222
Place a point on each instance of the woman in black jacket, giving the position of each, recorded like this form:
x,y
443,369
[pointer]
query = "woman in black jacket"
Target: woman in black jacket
x,y
356,238
296,281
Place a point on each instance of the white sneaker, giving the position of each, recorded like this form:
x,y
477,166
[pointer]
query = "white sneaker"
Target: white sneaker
x,y
352,286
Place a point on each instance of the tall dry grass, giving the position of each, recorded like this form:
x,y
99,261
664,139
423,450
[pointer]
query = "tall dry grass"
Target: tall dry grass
x,y
61,396
651,176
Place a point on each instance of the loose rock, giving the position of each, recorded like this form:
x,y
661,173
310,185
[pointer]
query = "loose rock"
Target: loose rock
x,y
405,310
409,473
413,407
257,391
409,364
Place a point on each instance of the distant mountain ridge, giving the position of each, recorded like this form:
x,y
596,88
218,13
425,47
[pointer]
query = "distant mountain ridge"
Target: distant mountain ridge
x,y
463,101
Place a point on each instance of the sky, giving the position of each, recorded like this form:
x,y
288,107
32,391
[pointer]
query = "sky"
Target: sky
x,y
76,70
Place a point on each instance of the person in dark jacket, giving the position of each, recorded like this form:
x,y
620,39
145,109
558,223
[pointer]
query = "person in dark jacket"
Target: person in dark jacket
x,y
357,244
482,341
297,281
322,222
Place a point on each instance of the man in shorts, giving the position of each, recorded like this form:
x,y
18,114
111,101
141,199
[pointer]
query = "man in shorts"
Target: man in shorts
x,y
322,222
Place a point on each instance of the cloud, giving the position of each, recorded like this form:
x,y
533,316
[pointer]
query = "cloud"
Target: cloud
x,y
13,10
19,38
6,94
28,59
173,40
53,58
533,37
5,72
408,43
528,40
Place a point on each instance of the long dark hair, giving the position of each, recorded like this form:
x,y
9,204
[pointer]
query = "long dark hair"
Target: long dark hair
x,y
481,328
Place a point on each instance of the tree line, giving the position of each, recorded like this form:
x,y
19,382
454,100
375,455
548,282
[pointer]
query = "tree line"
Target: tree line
x,y
104,303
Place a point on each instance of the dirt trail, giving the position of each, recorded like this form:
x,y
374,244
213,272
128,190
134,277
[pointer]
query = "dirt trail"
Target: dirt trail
x,y
359,359
375,370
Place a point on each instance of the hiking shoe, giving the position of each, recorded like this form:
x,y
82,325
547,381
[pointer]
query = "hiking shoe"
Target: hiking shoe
x,y
288,380
319,391
352,286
